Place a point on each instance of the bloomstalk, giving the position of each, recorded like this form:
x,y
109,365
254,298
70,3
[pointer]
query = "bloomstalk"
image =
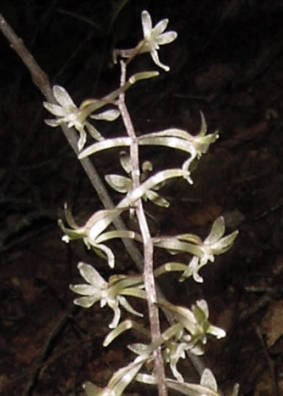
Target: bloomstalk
x,y
149,281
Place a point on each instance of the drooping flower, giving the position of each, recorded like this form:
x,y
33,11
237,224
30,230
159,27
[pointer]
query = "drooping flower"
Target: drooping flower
x,y
97,289
68,113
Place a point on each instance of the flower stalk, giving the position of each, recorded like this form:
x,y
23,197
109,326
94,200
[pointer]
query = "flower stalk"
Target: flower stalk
x,y
149,280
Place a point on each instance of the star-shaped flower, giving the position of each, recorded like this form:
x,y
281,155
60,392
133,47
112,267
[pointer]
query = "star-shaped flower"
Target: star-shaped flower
x,y
154,37
97,289
68,113
93,231
213,245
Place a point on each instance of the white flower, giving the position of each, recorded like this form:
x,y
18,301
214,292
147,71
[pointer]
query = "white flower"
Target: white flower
x,y
154,37
71,115
97,289
213,245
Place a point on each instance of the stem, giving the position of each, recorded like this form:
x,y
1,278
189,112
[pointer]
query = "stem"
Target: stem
x,y
41,80
147,241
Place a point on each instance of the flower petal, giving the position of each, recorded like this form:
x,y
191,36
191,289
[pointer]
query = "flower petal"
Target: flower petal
x,y
160,27
108,115
89,273
55,109
85,302
146,24
154,55
216,232
86,290
124,303
166,37
63,98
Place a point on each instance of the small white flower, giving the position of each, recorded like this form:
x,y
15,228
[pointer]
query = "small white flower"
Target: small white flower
x,y
71,115
213,245
154,37
97,289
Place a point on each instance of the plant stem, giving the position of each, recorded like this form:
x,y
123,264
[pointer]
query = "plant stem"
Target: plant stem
x,y
41,80
147,240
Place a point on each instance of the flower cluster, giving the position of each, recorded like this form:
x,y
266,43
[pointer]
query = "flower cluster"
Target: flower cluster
x,y
188,328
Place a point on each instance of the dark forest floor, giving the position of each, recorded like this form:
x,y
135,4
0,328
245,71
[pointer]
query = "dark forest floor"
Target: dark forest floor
x,y
228,63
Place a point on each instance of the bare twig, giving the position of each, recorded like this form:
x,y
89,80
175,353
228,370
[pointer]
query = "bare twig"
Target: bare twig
x,y
147,240
41,80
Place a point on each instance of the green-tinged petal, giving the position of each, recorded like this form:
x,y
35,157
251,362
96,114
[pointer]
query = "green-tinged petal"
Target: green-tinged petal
x,y
123,377
166,38
217,231
225,243
107,115
86,290
183,315
125,161
169,267
124,281
62,97
190,238
173,245
89,273
140,349
86,301
203,126
69,217
155,198
78,233
143,76
119,183
124,326
127,306
113,304
134,292
99,221
208,380
82,139
57,110
192,269
216,331
146,23
155,58
109,254
53,123
160,27
121,328
93,131
116,234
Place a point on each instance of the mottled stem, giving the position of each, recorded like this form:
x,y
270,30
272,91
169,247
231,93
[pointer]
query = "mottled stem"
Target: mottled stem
x,y
149,280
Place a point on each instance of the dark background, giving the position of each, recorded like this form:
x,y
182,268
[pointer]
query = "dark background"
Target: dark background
x,y
227,62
